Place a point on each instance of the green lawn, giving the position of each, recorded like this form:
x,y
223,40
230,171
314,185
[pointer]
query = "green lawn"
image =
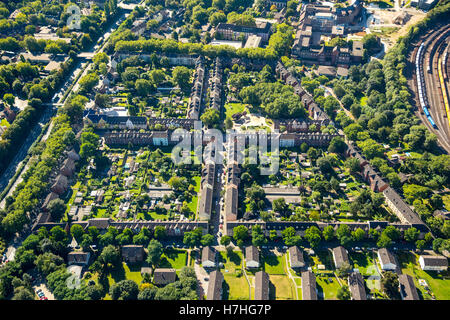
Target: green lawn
x,y
364,262
173,258
232,108
281,287
328,286
439,286
273,264
126,272
232,262
235,286
193,204
197,181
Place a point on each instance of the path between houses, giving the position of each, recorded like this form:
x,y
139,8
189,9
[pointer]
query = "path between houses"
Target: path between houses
x,y
248,281
291,277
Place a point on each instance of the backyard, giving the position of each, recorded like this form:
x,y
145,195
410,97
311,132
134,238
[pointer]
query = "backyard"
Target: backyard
x,y
235,286
438,283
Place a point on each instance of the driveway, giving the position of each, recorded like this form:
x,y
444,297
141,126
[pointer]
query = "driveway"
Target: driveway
x,y
203,284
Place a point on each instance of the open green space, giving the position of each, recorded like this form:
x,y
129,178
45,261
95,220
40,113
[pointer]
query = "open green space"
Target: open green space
x,y
173,258
327,286
439,283
273,264
281,287
125,272
233,108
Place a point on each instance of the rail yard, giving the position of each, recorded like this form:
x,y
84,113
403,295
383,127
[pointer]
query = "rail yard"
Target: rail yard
x,y
431,83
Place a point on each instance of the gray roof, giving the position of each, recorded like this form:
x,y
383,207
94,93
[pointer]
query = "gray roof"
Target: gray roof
x,y
386,256
205,206
435,261
208,254
164,276
308,286
79,257
215,286
356,286
261,286
296,256
251,254
408,290
340,256
407,213
231,203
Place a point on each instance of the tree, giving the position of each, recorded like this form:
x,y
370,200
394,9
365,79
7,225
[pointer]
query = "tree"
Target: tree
x,y
344,269
289,237
258,238
389,284
313,236
210,117
48,262
147,294
411,234
240,234
343,234
157,76
9,99
143,87
110,256
337,145
358,235
23,293
279,205
181,75
89,81
160,232
384,241
207,240
328,233
420,244
155,250
124,290
343,293
56,208
193,238
225,240
77,231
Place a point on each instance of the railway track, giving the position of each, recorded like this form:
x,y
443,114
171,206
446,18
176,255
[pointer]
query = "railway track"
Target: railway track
x,y
428,89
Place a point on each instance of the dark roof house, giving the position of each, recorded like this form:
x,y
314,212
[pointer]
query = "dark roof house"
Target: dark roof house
x,y
356,286
261,286
215,286
163,276
340,256
132,253
309,291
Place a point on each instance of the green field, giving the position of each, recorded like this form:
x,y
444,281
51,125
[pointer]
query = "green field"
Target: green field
x,y
273,264
281,287
440,287
236,286
364,262
172,258
232,108
125,272
327,286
